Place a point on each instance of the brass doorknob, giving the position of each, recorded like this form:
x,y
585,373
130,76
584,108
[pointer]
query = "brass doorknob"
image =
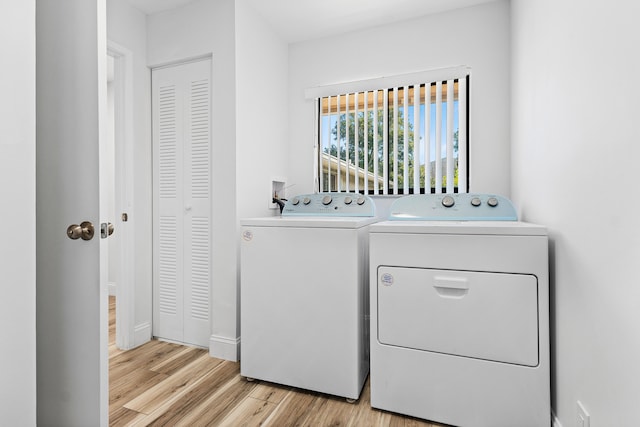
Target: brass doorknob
x,y
84,231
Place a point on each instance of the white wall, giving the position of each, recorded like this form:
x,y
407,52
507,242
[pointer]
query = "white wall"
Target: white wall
x,y
207,27
126,26
575,138
262,106
480,40
249,128
18,213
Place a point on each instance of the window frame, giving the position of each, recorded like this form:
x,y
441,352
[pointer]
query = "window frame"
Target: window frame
x,y
387,85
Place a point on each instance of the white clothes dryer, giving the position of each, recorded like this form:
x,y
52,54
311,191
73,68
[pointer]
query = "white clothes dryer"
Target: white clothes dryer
x,y
304,294
460,312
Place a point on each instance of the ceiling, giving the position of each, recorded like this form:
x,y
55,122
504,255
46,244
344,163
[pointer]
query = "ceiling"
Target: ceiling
x,y
298,20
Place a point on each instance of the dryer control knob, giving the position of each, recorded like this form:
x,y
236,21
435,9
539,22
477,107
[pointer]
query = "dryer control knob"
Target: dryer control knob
x,y
295,201
326,200
348,200
493,202
448,201
306,200
360,200
476,201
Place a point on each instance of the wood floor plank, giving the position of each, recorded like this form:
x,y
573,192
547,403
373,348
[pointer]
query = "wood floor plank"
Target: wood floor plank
x,y
330,411
166,384
293,410
181,359
173,386
367,416
273,393
212,411
123,417
169,359
193,401
141,357
126,388
249,413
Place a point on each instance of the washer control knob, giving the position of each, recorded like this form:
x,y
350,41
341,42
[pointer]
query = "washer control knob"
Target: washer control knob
x,y
306,200
326,200
348,200
476,201
493,202
360,200
295,201
448,201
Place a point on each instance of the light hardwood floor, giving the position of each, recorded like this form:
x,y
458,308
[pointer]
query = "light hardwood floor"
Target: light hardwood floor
x,y
165,384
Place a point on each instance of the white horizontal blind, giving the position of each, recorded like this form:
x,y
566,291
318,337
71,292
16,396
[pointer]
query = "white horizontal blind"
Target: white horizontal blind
x,y
407,139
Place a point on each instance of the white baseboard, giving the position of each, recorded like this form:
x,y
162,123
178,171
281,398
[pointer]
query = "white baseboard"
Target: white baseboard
x,y
224,348
555,421
141,333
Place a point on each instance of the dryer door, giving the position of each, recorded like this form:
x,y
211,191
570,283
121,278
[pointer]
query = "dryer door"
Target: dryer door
x,y
490,316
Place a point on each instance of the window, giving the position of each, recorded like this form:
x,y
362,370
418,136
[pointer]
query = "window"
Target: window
x,y
394,138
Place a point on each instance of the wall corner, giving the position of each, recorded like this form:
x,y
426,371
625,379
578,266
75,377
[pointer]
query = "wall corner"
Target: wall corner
x,y
224,348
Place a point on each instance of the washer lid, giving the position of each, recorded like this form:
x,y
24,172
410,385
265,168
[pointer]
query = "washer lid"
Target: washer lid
x,y
510,228
309,222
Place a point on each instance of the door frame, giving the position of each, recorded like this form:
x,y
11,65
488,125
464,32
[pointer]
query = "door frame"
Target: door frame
x,y
123,144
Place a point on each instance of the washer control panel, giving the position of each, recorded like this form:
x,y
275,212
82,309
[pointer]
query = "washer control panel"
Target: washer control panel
x,y
453,207
330,204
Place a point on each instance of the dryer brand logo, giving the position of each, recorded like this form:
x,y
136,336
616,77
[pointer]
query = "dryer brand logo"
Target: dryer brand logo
x,y
386,279
247,235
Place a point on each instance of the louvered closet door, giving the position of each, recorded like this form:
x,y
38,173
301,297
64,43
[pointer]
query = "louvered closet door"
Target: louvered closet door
x,y
182,204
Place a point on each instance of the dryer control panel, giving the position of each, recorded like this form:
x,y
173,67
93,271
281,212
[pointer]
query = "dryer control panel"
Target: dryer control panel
x,y
330,204
453,207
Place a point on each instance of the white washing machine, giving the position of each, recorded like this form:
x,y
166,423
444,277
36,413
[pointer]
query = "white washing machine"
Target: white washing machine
x,y
460,312
304,294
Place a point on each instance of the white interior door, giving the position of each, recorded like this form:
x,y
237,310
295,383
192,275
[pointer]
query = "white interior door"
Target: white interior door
x,y
181,99
72,359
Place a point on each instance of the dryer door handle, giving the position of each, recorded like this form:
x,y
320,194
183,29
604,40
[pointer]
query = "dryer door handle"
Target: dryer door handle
x,y
451,287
